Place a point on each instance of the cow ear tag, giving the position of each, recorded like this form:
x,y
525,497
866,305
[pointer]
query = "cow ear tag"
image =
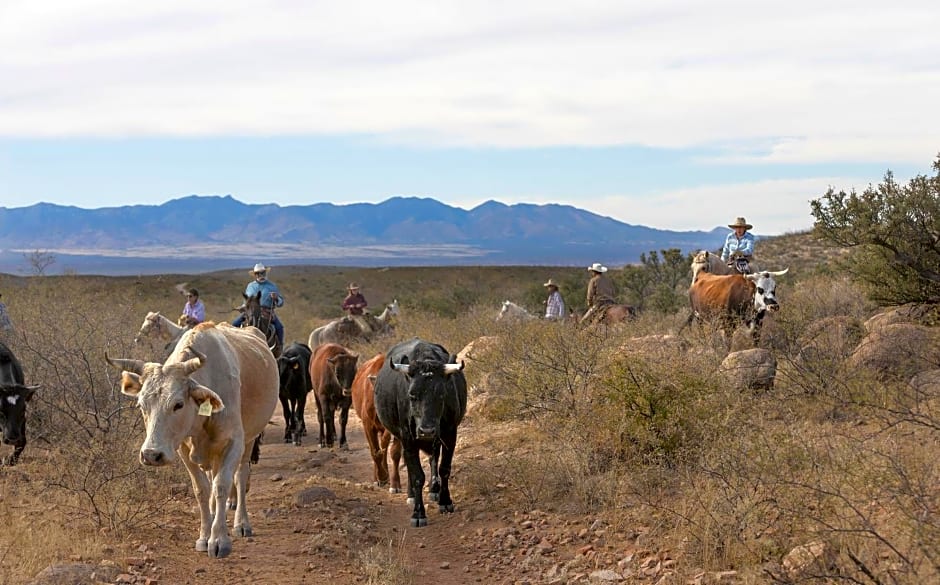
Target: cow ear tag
x,y
205,409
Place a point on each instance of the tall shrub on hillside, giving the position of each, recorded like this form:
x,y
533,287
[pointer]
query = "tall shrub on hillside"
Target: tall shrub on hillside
x,y
658,282
894,231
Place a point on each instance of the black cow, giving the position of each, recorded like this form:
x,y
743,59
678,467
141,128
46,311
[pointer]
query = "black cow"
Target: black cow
x,y
293,366
421,397
13,398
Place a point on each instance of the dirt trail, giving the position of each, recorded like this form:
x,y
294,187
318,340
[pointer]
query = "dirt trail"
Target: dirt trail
x,y
342,520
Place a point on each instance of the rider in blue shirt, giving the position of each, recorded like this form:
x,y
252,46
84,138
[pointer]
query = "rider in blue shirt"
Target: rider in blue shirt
x,y
270,297
740,242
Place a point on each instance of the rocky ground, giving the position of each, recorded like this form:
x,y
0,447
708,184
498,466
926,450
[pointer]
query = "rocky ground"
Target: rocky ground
x,y
316,516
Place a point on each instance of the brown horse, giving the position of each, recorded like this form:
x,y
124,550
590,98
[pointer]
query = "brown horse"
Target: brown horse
x,y
613,314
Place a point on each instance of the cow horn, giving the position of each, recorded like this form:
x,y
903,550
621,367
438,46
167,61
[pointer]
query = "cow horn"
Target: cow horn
x,y
136,366
403,368
191,365
780,272
453,368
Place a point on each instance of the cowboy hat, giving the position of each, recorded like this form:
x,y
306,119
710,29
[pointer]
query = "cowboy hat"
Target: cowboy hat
x,y
597,267
353,286
740,222
259,267
551,283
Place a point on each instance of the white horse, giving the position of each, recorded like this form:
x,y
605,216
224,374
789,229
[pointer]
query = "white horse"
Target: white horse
x,y
710,263
510,311
158,326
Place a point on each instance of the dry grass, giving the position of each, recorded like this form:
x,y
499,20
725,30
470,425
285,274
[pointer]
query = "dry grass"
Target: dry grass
x,y
640,433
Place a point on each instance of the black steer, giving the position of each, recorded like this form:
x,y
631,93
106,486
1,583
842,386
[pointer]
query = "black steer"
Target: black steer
x,y
13,398
293,366
421,397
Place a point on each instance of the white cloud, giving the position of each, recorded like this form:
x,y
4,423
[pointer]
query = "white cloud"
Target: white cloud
x,y
774,206
845,81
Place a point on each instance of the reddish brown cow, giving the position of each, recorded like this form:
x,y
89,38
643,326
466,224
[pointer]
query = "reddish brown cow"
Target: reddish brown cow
x,y
332,371
363,396
733,298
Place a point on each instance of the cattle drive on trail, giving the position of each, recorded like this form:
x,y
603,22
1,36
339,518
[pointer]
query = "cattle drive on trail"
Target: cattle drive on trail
x,y
377,436
207,403
158,326
294,370
734,298
14,395
332,371
262,317
421,397
352,328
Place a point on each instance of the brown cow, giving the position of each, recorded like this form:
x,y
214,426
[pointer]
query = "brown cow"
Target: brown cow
x,y
332,370
734,297
378,437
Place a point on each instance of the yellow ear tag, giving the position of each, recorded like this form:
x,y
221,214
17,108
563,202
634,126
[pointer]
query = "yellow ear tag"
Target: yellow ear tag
x,y
205,409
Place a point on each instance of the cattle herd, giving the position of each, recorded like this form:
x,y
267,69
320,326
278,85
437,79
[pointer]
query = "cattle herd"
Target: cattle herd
x,y
209,401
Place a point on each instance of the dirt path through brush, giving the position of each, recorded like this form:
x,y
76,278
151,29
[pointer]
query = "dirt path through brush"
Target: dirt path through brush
x,y
316,516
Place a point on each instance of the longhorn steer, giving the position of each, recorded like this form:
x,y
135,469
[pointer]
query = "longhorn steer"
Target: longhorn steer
x,y
207,403
377,436
294,369
13,398
421,397
734,297
332,371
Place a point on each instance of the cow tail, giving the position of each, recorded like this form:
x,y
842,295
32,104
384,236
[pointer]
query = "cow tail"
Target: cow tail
x,y
256,449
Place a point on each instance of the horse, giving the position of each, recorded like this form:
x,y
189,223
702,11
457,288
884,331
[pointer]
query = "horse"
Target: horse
x,y
510,311
156,325
705,261
613,314
262,317
351,328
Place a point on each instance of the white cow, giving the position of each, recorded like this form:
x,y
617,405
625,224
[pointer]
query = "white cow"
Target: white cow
x,y
208,402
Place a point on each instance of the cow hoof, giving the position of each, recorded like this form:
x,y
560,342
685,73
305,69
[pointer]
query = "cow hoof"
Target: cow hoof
x,y
202,545
419,522
446,509
232,504
297,441
287,439
245,529
410,501
435,496
344,446
394,490
220,548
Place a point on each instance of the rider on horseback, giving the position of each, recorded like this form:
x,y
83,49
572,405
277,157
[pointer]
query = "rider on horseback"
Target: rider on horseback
x,y
739,246
270,298
600,294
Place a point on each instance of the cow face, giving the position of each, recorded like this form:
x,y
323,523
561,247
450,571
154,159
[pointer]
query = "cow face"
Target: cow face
x,y
428,385
13,399
169,402
344,368
765,290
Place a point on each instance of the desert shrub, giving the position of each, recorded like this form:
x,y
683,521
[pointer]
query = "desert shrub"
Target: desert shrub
x,y
84,433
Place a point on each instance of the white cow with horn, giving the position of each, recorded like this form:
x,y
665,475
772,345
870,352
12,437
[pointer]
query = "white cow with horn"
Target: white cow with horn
x,y
207,403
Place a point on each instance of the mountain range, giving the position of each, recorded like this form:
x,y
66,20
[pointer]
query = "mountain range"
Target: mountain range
x,y
204,233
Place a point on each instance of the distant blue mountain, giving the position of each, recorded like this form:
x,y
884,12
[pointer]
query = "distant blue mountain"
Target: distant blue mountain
x,y
218,232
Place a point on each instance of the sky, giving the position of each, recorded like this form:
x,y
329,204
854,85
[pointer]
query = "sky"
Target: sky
x,y
674,114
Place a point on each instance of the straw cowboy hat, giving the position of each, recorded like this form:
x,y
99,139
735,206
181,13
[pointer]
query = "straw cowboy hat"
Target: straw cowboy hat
x,y
740,222
259,267
551,283
353,286
597,267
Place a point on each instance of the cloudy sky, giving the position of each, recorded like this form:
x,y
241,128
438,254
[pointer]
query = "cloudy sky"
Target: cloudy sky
x,y
676,114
